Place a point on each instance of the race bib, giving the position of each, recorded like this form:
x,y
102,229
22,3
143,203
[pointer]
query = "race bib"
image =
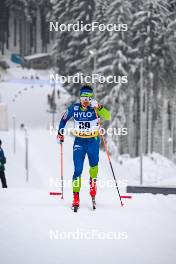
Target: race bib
x,y
85,123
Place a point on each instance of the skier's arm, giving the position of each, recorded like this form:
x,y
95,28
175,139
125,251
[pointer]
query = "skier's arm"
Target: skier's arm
x,y
67,115
101,110
104,113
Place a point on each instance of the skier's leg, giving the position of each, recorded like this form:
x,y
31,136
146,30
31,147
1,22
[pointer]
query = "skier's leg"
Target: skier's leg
x,y
76,184
78,158
93,180
93,156
93,171
3,179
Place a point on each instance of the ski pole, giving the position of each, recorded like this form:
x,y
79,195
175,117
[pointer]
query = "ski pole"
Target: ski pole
x,y
61,174
108,156
62,171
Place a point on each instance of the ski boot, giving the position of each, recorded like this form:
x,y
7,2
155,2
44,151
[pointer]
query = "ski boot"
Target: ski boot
x,y
75,204
93,191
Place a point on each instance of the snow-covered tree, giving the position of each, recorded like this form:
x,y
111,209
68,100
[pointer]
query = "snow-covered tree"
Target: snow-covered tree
x,y
113,60
72,46
147,45
150,39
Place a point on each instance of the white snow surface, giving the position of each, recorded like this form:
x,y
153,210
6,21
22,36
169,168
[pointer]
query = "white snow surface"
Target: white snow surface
x,y
39,228
32,221
28,102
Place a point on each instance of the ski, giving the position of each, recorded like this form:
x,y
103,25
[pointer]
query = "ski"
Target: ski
x,y
75,208
93,203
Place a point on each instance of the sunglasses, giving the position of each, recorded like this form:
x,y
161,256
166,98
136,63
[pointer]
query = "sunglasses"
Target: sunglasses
x,y
85,99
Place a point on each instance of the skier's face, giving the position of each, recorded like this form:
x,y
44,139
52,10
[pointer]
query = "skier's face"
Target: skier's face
x,y
85,101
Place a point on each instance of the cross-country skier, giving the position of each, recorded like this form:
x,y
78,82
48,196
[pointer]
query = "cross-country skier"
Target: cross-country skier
x,y
86,116
2,168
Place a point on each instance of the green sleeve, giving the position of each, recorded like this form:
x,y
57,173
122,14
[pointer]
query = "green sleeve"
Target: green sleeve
x,y
104,113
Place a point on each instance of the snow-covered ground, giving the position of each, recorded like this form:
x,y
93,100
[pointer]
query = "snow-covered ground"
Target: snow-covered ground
x,y
36,227
26,96
39,228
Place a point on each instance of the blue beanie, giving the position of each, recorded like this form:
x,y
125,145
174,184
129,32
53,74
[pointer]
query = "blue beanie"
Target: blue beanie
x,y
86,91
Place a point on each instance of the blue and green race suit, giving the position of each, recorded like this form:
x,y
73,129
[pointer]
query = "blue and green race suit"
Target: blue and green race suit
x,y
86,138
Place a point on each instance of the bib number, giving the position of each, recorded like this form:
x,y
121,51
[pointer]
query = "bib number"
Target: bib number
x,y
84,125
